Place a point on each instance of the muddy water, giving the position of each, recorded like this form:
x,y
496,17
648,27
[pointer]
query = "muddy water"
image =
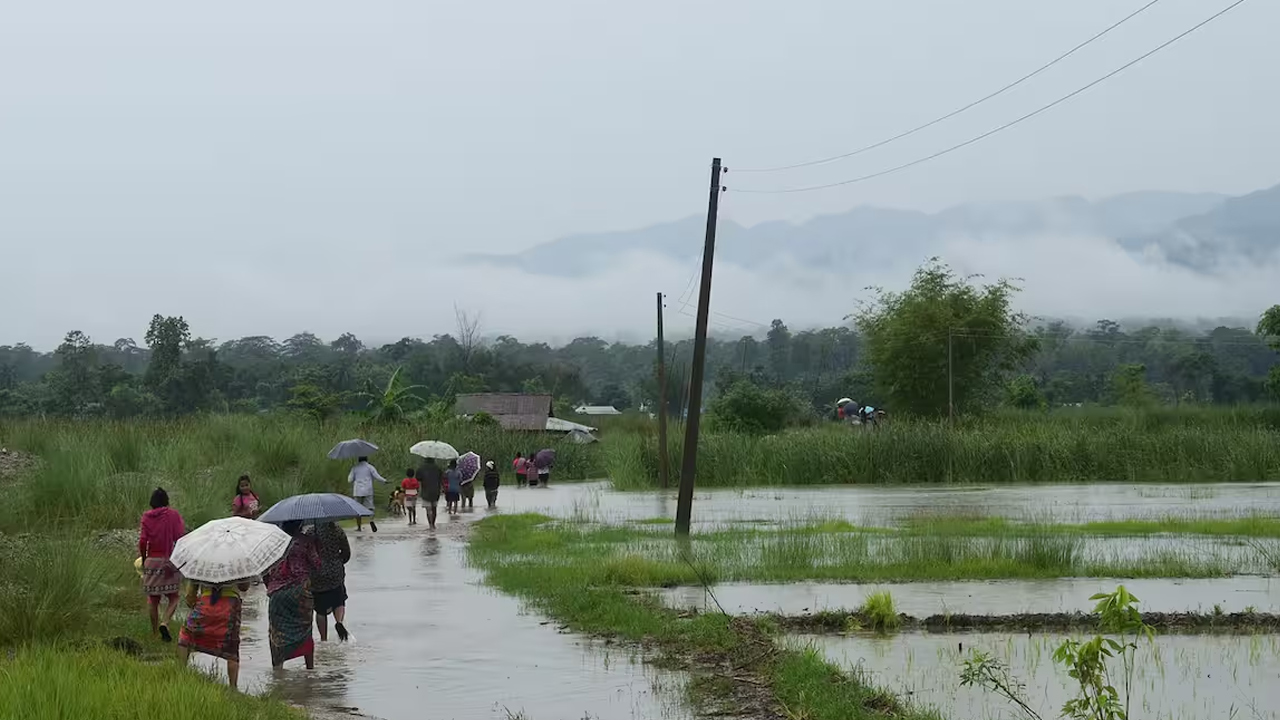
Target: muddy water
x,y
987,598
430,642
879,505
1177,677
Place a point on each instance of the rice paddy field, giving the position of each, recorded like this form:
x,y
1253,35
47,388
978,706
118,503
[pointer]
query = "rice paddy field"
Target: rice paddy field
x,y
830,574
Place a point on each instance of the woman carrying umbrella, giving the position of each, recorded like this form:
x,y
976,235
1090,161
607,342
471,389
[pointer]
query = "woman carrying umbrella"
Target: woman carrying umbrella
x,y
290,607
543,461
158,533
218,558
361,478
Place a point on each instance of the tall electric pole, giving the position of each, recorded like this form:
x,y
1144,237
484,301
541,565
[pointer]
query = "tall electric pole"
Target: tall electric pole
x,y
664,460
689,466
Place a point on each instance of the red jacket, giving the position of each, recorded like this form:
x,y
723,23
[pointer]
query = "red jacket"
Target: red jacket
x,y
161,528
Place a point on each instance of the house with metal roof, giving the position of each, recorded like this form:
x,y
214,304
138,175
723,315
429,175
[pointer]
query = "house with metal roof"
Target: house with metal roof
x,y
597,410
513,411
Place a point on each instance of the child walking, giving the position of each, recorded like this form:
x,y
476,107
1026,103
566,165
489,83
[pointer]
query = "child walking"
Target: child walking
x,y
452,488
411,486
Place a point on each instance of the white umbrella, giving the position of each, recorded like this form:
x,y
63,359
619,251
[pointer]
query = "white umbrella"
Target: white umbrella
x,y
434,449
235,548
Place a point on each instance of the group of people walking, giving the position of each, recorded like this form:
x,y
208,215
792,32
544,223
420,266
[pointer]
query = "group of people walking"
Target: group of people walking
x,y
309,583
303,589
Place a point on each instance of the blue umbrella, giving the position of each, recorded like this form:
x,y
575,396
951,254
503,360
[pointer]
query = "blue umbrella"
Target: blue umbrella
x,y
319,507
348,449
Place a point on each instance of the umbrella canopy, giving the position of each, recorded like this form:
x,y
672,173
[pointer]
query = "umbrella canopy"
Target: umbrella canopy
x,y
469,466
545,458
320,507
234,548
434,449
842,402
850,409
349,449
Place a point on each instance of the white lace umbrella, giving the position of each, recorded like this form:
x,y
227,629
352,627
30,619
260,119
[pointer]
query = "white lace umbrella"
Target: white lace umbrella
x,y
434,449
235,548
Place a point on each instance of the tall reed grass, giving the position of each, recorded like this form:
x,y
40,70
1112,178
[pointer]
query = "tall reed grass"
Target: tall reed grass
x,y
100,474
1200,446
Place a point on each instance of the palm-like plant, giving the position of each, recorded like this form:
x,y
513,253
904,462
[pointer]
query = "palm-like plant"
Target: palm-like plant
x,y
393,402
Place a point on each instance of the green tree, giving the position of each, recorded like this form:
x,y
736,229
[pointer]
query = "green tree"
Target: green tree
x,y
748,408
909,336
167,337
1269,326
1023,393
778,342
314,402
395,400
1129,385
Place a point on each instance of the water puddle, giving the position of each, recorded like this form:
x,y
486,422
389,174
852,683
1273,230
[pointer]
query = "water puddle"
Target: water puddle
x,y
1177,677
431,642
1004,597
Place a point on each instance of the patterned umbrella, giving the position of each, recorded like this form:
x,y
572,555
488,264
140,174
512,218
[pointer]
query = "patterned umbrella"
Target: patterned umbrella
x,y
469,466
319,507
350,449
434,449
234,548
545,458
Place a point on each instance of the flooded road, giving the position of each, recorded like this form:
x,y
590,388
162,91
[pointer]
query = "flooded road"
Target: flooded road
x,y
1177,677
431,643
1004,597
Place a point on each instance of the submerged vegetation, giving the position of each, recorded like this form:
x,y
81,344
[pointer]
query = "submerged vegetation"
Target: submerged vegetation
x,y
590,589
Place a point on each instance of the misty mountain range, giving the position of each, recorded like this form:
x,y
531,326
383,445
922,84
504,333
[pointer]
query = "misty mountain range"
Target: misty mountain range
x,y
1206,232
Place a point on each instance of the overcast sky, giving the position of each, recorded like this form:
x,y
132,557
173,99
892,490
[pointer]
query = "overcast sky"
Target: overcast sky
x,y
284,166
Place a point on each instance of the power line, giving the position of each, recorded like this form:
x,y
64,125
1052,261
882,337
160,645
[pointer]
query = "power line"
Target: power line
x,y
953,113
1011,123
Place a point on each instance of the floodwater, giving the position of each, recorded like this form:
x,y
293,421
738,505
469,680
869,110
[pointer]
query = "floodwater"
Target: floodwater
x,y
1003,597
1177,677
431,643
883,506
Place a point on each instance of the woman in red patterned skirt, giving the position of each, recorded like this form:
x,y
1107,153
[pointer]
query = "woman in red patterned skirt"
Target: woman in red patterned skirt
x,y
158,532
213,627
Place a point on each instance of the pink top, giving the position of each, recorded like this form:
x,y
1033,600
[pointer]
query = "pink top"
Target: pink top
x,y
301,558
159,532
245,506
521,465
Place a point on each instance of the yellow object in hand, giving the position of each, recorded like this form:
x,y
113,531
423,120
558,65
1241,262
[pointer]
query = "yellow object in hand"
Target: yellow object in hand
x,y
137,566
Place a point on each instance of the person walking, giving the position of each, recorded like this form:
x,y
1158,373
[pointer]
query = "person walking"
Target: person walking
x,y
468,492
158,532
361,478
431,478
411,486
544,474
213,627
452,487
491,482
245,504
290,605
521,467
329,580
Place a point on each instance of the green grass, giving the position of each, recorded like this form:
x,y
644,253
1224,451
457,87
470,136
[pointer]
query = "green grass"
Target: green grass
x,y
648,556
100,474
881,612
1193,445
47,683
583,577
58,590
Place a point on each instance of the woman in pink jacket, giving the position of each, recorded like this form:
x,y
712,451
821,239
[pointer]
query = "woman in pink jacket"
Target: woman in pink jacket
x,y
159,531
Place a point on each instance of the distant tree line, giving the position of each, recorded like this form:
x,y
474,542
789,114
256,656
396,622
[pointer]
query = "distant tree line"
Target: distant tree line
x,y
942,343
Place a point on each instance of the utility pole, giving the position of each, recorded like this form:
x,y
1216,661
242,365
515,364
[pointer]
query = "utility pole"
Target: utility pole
x,y
664,461
689,466
951,387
